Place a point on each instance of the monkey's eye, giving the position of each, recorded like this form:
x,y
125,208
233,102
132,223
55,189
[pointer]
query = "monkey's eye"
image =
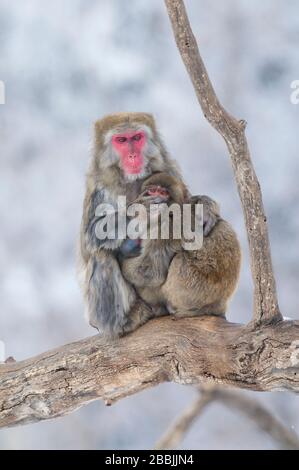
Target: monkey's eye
x,y
137,137
121,139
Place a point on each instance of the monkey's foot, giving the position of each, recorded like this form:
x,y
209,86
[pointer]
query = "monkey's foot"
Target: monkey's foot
x,y
176,315
196,313
139,314
160,311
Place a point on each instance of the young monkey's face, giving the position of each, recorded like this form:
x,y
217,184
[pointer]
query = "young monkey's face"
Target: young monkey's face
x,y
153,198
163,188
158,194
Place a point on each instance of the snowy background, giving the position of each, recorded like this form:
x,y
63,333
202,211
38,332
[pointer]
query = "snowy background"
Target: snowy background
x,y
67,63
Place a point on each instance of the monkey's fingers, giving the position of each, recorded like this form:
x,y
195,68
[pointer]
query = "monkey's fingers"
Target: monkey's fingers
x,y
147,200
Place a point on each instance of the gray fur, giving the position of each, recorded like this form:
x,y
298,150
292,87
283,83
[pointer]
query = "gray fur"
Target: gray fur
x,y
113,306
109,296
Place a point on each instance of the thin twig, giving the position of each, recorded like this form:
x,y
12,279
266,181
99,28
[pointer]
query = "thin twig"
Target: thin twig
x,y
263,418
177,431
254,410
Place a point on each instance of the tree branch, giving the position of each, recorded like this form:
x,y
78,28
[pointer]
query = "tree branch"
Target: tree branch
x,y
266,307
287,439
260,415
175,434
185,351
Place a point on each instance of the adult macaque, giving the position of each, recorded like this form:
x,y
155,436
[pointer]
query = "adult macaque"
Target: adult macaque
x,y
173,280
127,149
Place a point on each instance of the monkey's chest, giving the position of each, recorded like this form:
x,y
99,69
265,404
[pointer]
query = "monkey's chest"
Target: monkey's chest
x,y
121,197
130,190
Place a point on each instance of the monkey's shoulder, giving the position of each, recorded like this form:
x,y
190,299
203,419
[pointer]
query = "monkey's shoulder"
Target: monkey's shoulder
x,y
151,266
222,242
222,230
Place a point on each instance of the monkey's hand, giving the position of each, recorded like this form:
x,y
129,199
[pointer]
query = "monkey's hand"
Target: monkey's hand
x,y
130,248
211,212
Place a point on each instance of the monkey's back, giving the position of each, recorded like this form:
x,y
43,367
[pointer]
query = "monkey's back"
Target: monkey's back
x,y
202,281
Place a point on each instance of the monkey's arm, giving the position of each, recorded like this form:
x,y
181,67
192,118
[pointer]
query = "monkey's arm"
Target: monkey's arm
x,y
129,249
95,215
147,266
112,304
211,212
152,194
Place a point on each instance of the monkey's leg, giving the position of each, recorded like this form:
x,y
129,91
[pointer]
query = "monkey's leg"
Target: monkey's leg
x,y
139,314
113,307
190,291
109,296
214,310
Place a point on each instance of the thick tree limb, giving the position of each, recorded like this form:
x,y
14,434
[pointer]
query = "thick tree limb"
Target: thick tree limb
x,y
265,299
185,351
286,438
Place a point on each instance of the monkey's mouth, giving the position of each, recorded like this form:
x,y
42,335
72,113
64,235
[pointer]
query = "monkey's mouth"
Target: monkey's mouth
x,y
134,169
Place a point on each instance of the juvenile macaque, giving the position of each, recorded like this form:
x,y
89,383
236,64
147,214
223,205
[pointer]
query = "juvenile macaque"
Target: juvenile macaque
x,y
173,280
127,149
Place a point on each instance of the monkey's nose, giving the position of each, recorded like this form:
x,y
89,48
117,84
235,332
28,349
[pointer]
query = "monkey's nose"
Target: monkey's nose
x,y
132,156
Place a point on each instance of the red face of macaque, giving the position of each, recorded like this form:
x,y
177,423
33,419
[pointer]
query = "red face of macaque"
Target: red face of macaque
x,y
129,146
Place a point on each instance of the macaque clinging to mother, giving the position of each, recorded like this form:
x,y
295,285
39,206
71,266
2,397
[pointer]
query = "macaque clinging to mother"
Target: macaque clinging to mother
x,y
127,150
170,276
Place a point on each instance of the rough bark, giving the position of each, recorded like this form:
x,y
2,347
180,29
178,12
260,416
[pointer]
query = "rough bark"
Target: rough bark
x,y
233,131
185,351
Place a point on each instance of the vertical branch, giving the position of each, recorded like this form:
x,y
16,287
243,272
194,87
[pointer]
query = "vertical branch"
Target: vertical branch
x,y
266,307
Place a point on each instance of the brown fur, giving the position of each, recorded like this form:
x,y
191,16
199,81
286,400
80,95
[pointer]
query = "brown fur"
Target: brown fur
x,y
112,304
121,121
186,283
